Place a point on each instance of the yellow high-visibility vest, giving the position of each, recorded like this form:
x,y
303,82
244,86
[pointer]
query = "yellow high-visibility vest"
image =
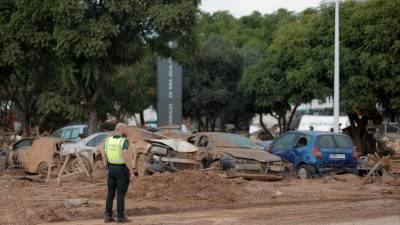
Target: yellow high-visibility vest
x,y
113,149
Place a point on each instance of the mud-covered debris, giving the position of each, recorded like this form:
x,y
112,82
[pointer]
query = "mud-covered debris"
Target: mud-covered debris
x,y
76,202
188,185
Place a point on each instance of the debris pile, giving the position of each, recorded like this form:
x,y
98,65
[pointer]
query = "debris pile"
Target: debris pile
x,y
385,169
188,185
392,143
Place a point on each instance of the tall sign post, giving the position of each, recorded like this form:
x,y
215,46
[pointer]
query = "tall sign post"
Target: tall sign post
x,y
169,92
336,76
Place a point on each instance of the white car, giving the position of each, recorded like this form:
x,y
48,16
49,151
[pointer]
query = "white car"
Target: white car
x,y
71,132
86,148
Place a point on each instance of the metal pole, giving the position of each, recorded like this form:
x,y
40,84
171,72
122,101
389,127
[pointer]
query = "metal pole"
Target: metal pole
x,y
336,76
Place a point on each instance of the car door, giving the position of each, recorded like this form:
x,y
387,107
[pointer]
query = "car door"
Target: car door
x,y
283,146
300,148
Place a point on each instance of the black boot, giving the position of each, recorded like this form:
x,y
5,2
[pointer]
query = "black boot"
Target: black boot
x,y
123,220
108,218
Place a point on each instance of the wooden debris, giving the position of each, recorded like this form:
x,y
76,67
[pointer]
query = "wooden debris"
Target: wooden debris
x,y
382,169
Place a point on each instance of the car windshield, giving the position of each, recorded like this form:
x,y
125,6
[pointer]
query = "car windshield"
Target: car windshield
x,y
232,140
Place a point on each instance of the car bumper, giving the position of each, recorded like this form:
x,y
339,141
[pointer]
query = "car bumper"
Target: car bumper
x,y
339,169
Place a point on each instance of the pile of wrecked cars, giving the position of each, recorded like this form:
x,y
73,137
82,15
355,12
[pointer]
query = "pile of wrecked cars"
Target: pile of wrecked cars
x,y
170,150
233,153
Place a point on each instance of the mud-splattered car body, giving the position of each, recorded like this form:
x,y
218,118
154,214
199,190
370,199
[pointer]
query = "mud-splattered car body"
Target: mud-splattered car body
x,y
34,157
153,152
231,151
170,155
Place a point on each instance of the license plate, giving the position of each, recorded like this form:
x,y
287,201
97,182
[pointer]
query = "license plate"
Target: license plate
x,y
337,156
248,166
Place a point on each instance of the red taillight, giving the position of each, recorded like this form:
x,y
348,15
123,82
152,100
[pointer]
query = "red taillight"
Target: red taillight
x,y
355,153
316,153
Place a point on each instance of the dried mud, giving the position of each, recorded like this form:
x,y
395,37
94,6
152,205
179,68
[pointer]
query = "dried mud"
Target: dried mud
x,y
187,192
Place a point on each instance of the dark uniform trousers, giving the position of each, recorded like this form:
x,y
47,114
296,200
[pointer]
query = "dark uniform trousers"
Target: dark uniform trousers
x,y
118,181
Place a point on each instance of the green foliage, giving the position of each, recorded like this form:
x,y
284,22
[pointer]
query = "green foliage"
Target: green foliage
x,y
290,74
26,58
97,38
371,66
132,89
210,84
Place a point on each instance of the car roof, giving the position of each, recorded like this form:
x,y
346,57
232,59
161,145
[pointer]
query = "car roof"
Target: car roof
x,y
73,126
313,133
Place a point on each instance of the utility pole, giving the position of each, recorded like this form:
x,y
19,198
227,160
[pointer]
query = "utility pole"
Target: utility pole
x,y
336,71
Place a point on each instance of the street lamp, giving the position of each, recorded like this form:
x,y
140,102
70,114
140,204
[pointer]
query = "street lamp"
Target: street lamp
x,y
336,72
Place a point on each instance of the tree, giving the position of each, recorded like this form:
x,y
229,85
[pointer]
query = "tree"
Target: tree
x,y
210,83
370,65
26,58
289,75
95,37
132,89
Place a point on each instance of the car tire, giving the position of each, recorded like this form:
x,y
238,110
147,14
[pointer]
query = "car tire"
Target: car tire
x,y
76,168
142,166
306,172
42,169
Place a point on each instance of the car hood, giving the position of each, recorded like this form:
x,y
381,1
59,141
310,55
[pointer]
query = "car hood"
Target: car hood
x,y
177,145
253,154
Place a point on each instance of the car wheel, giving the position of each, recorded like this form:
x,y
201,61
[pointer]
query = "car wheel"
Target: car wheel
x,y
142,166
306,172
76,166
42,169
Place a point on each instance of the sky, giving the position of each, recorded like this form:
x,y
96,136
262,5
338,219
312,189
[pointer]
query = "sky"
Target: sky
x,y
240,8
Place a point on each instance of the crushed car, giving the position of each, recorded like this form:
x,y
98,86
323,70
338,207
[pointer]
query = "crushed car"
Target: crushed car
x,y
170,155
233,152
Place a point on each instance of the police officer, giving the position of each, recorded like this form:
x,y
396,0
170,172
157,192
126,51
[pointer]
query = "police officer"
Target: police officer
x,y
119,172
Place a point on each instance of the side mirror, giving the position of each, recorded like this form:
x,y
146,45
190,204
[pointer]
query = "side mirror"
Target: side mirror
x,y
83,135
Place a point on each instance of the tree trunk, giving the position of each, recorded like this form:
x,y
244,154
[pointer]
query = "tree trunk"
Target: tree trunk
x,y
92,126
262,123
207,123
289,123
358,131
280,125
213,124
222,125
25,124
141,119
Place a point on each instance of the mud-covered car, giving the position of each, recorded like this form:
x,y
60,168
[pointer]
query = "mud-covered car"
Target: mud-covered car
x,y
171,155
227,151
87,149
33,154
174,132
152,152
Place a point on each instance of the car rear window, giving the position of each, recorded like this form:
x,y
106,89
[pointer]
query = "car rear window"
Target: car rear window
x,y
343,141
326,141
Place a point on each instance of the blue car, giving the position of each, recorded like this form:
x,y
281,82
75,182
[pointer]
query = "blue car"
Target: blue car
x,y
315,152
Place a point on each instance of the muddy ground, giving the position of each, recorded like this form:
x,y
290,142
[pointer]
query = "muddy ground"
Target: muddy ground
x,y
207,197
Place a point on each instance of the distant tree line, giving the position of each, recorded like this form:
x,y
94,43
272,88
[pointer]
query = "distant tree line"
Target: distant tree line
x,y
77,60
72,60
275,62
